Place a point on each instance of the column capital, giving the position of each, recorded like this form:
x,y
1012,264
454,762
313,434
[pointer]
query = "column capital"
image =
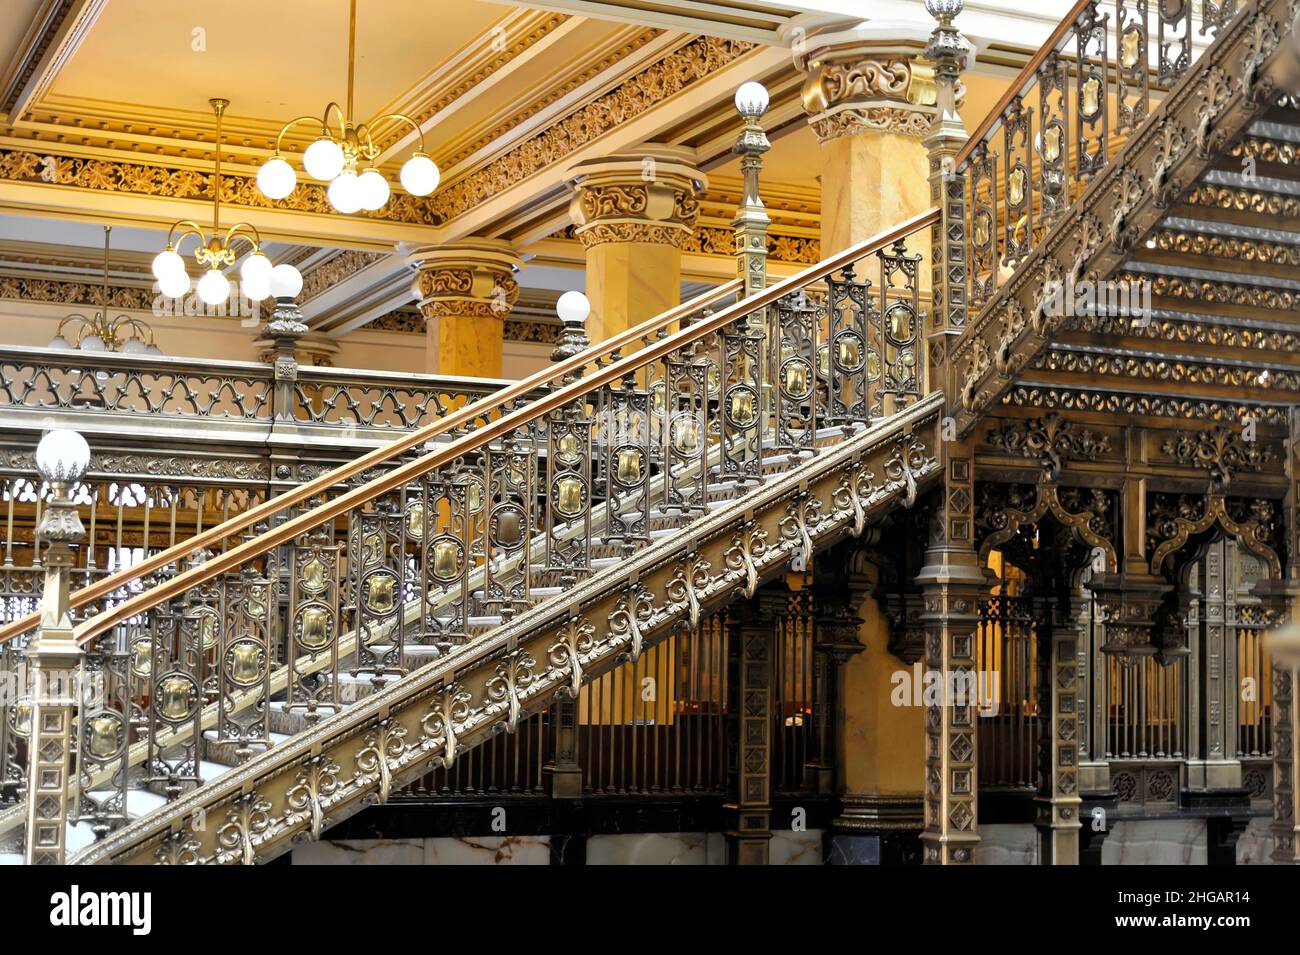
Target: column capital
x,y
470,278
872,76
649,194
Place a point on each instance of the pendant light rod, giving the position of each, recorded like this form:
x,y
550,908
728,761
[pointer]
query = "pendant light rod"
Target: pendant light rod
x,y
352,55
219,107
103,300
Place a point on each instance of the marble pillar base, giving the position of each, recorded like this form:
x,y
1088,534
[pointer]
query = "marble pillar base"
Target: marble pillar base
x,y
1007,844
1255,845
901,847
468,850
1156,842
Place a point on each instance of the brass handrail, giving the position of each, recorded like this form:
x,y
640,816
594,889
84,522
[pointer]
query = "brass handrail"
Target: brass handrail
x,y
469,412
330,509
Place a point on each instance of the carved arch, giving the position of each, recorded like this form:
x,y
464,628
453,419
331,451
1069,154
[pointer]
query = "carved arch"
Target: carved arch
x,y
1251,534
1049,503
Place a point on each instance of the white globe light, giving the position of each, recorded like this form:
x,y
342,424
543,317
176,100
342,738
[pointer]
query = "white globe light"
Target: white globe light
x,y
134,346
213,288
60,343
323,159
286,281
345,192
751,99
573,307
420,175
174,285
276,178
92,343
256,270
168,262
374,189
62,455
255,291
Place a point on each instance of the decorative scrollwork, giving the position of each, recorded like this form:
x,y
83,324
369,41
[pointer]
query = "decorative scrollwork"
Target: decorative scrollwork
x,y
386,742
514,675
247,819
635,609
748,545
1052,439
452,710
316,781
1221,451
577,641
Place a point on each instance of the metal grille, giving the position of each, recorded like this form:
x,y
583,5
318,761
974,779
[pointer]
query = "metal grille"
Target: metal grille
x,y
792,681
1146,703
1007,651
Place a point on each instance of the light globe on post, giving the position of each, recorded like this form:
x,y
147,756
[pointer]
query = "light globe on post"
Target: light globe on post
x,y
62,456
751,100
286,281
573,308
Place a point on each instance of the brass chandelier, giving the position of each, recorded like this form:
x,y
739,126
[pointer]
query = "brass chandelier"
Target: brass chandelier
x,y
215,251
335,155
125,334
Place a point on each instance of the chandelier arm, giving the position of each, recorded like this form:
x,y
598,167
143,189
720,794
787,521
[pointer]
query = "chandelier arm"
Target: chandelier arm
x,y
279,139
191,227
241,229
402,117
343,119
141,328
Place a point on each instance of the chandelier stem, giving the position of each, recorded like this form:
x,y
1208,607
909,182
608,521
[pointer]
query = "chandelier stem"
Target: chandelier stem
x,y
218,107
352,55
103,295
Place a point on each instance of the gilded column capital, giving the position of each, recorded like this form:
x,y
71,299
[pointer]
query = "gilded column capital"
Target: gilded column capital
x,y
646,195
471,278
871,77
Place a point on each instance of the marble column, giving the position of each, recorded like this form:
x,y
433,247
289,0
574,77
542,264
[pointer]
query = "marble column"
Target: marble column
x,y
465,291
632,212
871,102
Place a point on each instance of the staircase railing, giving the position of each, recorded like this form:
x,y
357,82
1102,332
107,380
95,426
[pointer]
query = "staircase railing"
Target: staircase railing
x,y
455,420
1037,197
416,562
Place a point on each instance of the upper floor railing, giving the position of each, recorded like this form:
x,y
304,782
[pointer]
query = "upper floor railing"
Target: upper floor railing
x,y
218,399
1071,108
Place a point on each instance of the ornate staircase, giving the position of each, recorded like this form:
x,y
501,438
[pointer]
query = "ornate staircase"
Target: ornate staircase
x,y
288,668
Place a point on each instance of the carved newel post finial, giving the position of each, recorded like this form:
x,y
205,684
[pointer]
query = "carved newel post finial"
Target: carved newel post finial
x,y
53,656
948,51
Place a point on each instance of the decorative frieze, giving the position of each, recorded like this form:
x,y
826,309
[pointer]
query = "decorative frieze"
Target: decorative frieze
x,y
1052,439
1220,451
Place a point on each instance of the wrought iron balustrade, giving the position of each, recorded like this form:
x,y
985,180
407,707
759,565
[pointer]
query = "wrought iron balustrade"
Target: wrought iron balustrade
x,y
322,611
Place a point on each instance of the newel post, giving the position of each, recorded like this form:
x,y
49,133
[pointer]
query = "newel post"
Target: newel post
x,y
54,657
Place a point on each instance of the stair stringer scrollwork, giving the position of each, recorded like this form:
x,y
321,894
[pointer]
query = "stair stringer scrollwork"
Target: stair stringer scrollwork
x,y
459,698
1125,200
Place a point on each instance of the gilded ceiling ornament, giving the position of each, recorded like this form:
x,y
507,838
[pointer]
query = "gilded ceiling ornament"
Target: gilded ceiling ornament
x,y
337,268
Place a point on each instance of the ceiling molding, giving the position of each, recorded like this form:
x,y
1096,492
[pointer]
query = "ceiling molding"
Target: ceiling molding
x,y
727,19
52,38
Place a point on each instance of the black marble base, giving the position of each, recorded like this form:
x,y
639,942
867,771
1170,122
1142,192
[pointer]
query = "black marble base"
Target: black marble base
x,y
901,847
